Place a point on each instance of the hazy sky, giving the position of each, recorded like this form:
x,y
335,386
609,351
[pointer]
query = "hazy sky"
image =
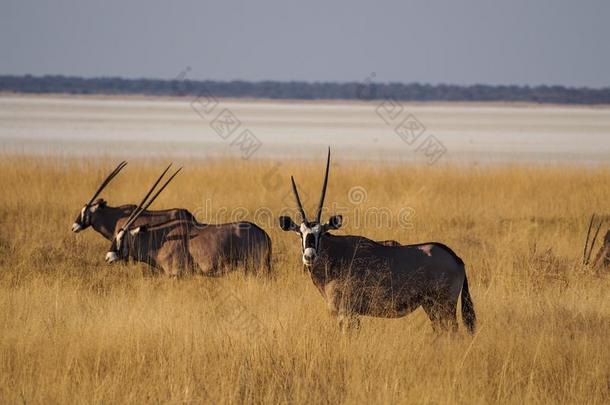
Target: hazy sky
x,y
462,42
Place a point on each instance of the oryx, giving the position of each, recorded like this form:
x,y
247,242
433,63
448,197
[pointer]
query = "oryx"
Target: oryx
x,y
104,218
602,258
176,247
358,276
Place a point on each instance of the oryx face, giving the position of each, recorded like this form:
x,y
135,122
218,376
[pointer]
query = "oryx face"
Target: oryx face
x,y
311,235
122,244
310,238
86,215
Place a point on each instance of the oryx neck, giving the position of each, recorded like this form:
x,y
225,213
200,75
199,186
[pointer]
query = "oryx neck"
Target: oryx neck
x,y
105,221
323,270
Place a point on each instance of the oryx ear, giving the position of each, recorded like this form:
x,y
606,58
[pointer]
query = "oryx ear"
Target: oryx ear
x,y
137,230
334,222
287,224
98,204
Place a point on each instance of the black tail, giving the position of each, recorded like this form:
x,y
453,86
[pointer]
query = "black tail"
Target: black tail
x,y
468,316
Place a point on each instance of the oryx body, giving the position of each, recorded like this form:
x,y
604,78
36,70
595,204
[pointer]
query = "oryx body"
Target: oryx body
x,y
389,242
358,276
179,247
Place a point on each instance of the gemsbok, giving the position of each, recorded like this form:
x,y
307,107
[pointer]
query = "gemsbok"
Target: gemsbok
x,y
104,218
358,276
177,247
602,258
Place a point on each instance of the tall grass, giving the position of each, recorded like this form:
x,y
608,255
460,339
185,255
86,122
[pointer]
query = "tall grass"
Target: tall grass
x,y
75,330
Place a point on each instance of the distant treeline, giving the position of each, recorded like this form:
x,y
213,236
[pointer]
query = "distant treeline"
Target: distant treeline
x,y
304,90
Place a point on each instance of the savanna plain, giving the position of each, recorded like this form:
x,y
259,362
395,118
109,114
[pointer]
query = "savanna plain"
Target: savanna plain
x,y
76,330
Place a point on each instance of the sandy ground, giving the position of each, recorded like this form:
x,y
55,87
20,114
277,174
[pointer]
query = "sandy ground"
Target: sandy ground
x,y
209,127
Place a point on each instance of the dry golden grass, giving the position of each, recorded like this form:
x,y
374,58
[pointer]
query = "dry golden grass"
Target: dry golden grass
x,y
75,330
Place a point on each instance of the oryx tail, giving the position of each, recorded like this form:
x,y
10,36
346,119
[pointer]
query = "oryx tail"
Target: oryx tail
x,y
468,315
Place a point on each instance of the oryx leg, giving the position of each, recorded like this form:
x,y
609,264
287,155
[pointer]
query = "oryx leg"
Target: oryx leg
x,y
178,263
442,314
339,308
348,322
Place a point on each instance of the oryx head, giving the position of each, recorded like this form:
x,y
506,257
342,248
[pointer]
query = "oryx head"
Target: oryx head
x,y
123,244
89,210
311,231
126,238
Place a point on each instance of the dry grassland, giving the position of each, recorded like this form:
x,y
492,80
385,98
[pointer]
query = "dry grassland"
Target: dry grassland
x,y
75,330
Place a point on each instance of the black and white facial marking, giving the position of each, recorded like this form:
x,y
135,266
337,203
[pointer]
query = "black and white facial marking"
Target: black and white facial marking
x,y
119,250
83,220
310,238
311,234
115,251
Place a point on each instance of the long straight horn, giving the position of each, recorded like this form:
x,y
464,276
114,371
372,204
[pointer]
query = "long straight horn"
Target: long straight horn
x,y
584,253
599,225
107,180
135,211
299,204
151,200
321,205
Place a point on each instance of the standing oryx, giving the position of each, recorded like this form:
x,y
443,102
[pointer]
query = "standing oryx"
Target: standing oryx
x,y
103,218
178,246
358,276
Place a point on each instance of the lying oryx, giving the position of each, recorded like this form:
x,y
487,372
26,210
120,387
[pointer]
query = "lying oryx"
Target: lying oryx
x,y
104,218
358,276
177,246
